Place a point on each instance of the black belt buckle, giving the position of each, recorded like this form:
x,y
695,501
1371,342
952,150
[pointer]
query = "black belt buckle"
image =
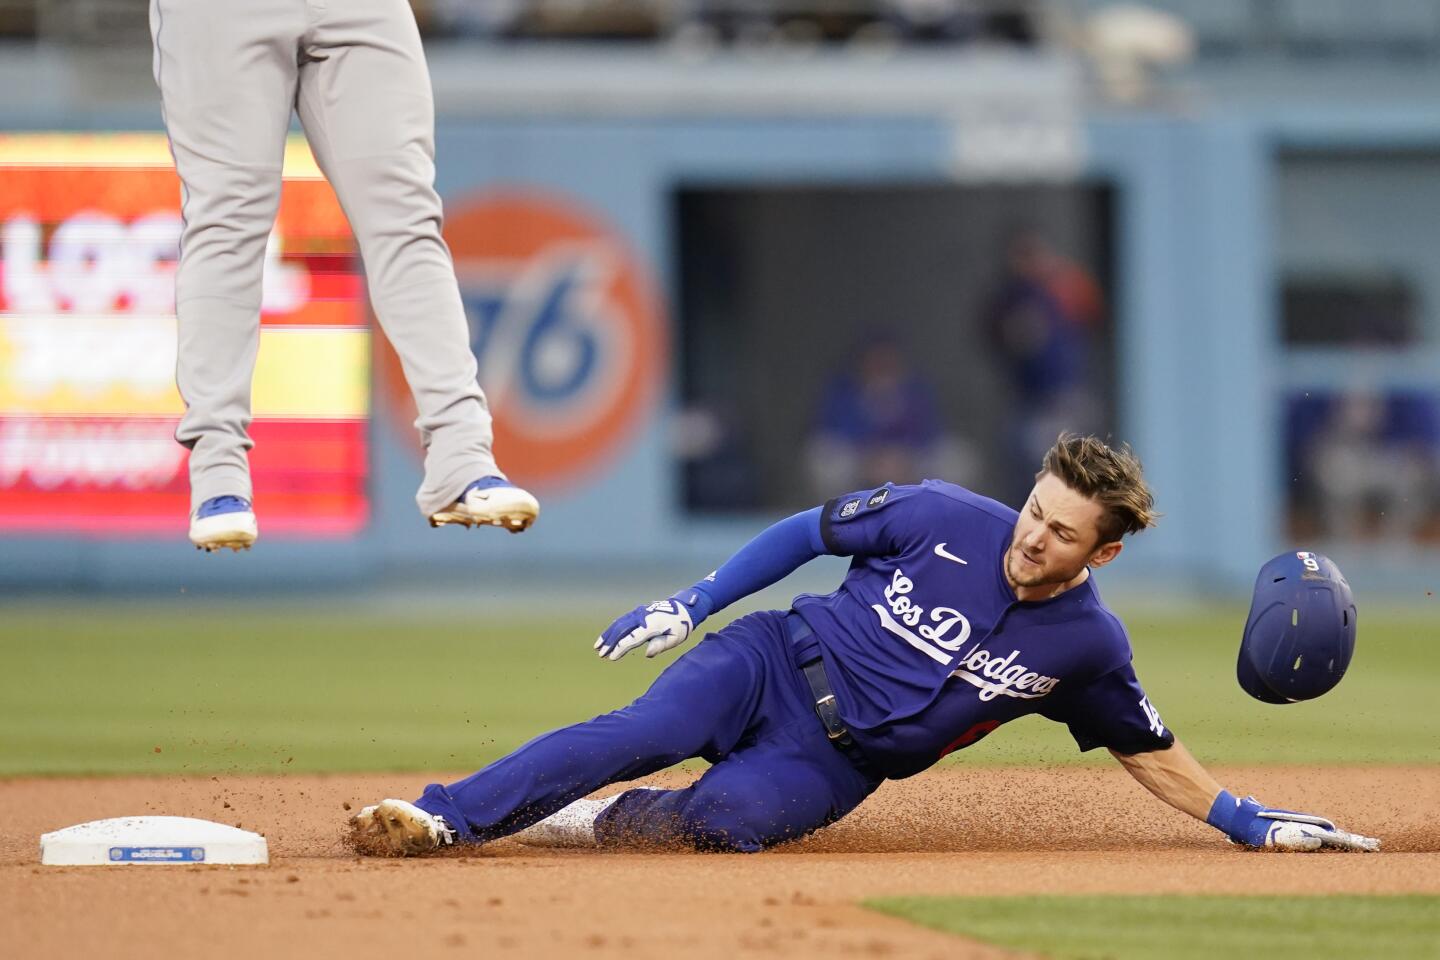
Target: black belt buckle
x,y
822,707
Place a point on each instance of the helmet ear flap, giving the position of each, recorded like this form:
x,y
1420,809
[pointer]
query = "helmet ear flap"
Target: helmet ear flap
x,y
1300,634
1266,624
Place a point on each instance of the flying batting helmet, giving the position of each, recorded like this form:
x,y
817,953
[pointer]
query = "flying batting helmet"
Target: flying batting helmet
x,y
1300,634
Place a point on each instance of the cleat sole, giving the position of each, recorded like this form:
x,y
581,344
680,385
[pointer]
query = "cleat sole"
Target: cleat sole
x,y
237,544
515,523
513,513
233,531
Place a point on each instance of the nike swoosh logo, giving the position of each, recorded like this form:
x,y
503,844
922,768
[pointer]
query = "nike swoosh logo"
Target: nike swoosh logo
x,y
940,551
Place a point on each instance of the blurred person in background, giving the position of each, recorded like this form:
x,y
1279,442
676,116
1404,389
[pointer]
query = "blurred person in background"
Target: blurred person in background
x,y
935,21
879,419
1044,317
592,19
479,19
726,20
1365,462
764,23
960,21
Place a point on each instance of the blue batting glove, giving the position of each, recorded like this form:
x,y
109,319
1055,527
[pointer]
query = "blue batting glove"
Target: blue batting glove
x,y
1250,823
658,626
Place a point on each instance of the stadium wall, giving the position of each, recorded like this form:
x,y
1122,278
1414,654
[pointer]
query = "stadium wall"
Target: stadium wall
x,y
1199,363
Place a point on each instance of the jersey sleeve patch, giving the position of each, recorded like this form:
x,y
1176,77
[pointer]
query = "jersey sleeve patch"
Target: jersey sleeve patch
x,y
852,524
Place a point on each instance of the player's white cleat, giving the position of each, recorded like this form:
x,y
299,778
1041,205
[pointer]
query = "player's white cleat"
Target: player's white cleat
x,y
223,522
572,826
395,828
491,501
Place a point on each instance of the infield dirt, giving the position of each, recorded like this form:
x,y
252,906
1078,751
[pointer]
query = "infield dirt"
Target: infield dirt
x,y
955,830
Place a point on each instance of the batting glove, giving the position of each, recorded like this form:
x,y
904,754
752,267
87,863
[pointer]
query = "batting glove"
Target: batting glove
x,y
658,626
1251,823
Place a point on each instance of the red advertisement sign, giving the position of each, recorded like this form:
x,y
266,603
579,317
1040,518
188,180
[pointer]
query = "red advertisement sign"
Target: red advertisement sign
x,y
89,234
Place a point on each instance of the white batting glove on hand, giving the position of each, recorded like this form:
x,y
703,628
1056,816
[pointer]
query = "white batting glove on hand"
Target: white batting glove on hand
x,y
658,626
1302,833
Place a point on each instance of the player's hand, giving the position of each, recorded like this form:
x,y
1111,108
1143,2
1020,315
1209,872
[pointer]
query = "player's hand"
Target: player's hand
x,y
1256,825
658,626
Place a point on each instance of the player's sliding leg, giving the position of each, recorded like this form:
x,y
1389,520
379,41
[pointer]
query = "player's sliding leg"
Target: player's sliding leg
x,y
366,105
670,723
700,706
782,787
574,824
227,78
737,684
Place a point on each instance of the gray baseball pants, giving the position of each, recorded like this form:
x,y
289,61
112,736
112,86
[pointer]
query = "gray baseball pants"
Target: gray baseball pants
x,y
230,74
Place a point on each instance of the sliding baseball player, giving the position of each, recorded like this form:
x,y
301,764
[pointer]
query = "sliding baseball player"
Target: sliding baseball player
x,y
958,616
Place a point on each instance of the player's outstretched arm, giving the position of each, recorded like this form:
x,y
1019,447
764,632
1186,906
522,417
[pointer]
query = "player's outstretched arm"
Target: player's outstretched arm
x,y
776,553
1176,777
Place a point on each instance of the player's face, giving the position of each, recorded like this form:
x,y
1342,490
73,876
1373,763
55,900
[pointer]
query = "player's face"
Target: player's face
x,y
1056,538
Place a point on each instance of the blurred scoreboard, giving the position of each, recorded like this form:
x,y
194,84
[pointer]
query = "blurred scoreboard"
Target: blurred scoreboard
x,y
89,237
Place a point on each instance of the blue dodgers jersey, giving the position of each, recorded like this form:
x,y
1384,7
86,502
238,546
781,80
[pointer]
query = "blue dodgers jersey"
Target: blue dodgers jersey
x,y
928,649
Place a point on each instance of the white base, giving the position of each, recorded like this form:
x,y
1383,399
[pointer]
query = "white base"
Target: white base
x,y
127,840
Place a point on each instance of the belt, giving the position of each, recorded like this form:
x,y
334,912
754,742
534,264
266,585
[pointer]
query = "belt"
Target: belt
x,y
804,644
825,706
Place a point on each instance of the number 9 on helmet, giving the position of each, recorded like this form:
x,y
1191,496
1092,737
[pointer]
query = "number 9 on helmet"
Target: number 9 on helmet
x,y
1300,634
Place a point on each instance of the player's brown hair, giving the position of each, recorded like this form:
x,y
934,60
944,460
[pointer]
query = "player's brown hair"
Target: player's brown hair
x,y
1111,476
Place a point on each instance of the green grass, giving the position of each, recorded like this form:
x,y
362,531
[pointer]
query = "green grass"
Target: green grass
x,y
1382,712
93,688
1188,927
98,690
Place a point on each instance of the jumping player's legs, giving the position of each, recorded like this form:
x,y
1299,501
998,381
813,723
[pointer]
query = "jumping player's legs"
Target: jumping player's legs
x,y
366,105
227,78
736,686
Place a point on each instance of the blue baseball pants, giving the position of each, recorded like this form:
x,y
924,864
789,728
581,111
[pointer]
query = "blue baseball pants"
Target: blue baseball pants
x,y
738,700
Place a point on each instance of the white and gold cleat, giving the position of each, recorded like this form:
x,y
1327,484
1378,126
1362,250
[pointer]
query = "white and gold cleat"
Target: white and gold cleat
x,y
491,501
221,522
395,828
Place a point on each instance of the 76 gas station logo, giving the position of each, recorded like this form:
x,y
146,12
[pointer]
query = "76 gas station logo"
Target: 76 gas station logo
x,y
547,341
567,328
